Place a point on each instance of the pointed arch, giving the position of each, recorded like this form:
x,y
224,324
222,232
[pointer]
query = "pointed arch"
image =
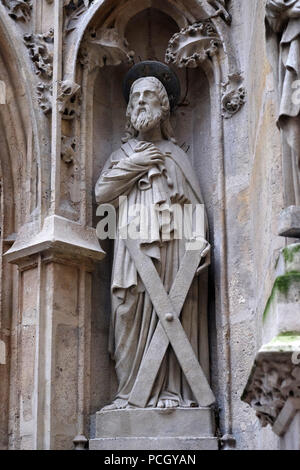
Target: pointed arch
x,y
24,127
104,12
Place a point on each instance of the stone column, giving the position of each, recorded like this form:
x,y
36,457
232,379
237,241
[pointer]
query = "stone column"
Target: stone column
x,y
53,334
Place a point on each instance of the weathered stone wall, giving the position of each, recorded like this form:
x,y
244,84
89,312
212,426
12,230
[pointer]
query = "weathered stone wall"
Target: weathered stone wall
x,y
254,182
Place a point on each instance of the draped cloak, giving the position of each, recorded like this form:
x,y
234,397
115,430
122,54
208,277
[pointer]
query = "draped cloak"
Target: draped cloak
x,y
287,70
133,319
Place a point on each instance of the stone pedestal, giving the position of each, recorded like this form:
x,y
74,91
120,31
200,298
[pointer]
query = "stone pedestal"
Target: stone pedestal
x,y
55,269
155,429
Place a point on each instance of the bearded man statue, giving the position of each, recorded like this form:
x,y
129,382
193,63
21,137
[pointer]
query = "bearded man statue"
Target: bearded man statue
x,y
151,170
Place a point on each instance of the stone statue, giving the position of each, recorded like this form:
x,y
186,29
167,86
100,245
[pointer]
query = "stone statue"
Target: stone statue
x,y
152,170
283,22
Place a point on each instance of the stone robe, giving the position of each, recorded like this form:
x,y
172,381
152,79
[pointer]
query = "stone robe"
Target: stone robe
x,y
286,63
133,319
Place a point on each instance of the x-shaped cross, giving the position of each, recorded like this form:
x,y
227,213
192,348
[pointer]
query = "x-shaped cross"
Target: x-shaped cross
x,y
169,329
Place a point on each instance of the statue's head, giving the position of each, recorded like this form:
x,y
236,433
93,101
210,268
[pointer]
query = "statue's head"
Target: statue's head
x,y
148,103
147,107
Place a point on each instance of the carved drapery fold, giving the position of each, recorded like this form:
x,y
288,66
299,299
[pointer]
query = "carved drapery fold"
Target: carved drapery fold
x,y
283,37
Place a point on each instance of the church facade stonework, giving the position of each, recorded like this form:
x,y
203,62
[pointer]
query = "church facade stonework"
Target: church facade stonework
x,y
149,224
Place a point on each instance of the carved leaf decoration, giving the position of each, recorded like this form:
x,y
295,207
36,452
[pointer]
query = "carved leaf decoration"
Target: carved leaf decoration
x,y
44,95
273,380
69,100
193,45
40,48
108,48
234,95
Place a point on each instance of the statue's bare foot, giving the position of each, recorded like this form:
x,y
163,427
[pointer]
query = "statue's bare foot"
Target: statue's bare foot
x,y
167,404
116,405
110,407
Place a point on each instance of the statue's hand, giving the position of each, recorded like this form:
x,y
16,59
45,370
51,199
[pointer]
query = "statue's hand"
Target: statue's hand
x,y
207,259
146,154
206,250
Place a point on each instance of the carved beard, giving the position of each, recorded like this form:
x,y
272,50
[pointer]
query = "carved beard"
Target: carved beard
x,y
145,119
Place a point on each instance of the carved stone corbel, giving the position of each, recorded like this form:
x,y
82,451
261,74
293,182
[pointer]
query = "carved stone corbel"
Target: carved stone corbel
x,y
19,10
234,95
193,45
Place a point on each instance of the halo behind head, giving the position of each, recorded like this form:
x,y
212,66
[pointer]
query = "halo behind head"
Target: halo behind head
x,y
162,72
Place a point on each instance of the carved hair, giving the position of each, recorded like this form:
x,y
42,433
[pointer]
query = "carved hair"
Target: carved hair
x,y
166,128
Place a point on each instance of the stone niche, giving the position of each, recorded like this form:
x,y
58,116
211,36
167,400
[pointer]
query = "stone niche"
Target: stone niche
x,y
78,119
148,34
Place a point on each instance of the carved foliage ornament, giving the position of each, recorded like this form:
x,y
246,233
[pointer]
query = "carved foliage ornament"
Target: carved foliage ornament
x,y
44,94
68,149
19,10
40,47
69,99
193,45
274,380
234,95
105,47
73,11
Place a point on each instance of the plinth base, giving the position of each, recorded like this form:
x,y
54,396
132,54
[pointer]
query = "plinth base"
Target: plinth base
x,y
154,443
289,222
155,429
